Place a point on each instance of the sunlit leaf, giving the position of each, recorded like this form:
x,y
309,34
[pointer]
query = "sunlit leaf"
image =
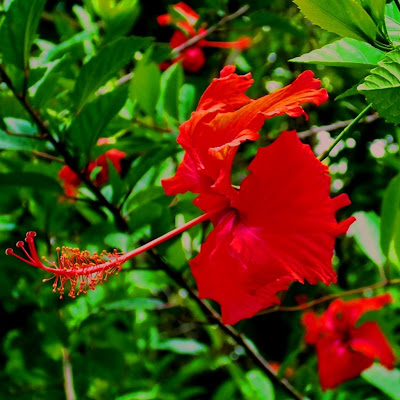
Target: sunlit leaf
x,y
382,87
346,18
386,381
145,86
261,386
366,232
343,53
171,82
103,66
389,212
393,22
182,346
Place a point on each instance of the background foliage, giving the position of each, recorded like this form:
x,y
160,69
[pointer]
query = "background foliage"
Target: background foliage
x,y
93,73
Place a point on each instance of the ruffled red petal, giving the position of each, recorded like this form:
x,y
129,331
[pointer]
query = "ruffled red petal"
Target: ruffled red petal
x,y
286,197
282,228
225,117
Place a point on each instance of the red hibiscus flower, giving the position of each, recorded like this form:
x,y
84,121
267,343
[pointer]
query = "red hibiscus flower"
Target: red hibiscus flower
x,y
71,180
280,226
344,350
192,58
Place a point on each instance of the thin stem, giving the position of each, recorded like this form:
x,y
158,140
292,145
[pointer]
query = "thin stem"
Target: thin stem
x,y
195,39
47,156
344,132
336,125
68,376
59,146
239,338
24,135
330,297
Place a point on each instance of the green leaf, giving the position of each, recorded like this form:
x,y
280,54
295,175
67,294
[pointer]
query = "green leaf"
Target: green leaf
x,y
395,258
151,158
382,87
389,212
18,31
103,66
376,9
261,386
118,17
145,86
346,18
46,87
393,22
132,305
182,346
366,232
171,83
30,179
73,47
88,126
353,91
11,142
386,381
344,53
187,96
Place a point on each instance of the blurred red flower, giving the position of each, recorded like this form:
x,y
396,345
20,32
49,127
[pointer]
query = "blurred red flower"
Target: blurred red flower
x,y
280,226
192,58
71,180
344,349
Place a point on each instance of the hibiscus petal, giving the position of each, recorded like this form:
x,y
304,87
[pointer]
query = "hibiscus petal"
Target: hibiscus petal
x,y
354,309
224,118
337,363
287,197
312,324
226,91
369,340
282,229
241,290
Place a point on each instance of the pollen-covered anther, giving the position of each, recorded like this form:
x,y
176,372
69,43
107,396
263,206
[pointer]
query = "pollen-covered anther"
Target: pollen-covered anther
x,y
80,270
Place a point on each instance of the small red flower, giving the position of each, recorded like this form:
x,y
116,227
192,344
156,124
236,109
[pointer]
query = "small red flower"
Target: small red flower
x,y
71,180
344,350
192,58
280,226
113,155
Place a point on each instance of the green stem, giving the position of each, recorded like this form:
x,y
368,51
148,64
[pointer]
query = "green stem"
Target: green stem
x,y
344,132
